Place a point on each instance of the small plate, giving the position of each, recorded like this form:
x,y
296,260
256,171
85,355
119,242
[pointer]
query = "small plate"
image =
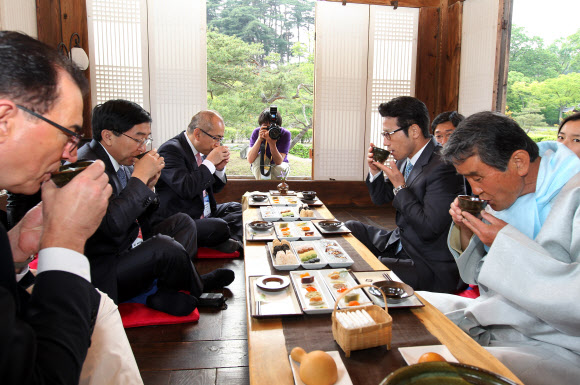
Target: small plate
x,y
412,354
293,266
327,303
343,377
273,282
334,253
341,230
309,265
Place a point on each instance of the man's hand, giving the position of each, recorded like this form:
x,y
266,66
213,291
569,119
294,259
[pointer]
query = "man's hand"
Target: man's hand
x,y
148,169
485,232
265,135
390,170
219,156
72,214
25,236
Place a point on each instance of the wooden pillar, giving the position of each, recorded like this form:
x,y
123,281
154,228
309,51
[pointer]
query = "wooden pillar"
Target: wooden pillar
x,y
57,20
426,78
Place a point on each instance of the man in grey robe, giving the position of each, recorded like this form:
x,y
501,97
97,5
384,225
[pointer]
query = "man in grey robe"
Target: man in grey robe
x,y
525,252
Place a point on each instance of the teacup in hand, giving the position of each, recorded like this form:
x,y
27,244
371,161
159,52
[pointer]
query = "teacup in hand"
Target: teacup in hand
x,y
68,171
380,155
471,204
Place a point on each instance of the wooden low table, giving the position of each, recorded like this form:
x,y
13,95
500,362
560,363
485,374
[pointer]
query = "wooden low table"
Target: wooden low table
x,y
268,353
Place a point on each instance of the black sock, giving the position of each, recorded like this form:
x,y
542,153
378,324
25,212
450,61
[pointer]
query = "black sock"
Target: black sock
x,y
172,302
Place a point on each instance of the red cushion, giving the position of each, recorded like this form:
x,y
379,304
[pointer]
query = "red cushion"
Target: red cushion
x,y
137,314
471,292
205,252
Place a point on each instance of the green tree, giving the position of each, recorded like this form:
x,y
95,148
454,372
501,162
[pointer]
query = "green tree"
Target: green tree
x,y
529,56
529,117
560,92
568,51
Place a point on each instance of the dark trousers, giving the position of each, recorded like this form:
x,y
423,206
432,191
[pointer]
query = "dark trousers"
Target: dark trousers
x,y
182,228
377,241
161,258
224,223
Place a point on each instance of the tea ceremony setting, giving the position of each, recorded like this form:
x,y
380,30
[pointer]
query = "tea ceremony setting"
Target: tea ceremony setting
x,y
289,192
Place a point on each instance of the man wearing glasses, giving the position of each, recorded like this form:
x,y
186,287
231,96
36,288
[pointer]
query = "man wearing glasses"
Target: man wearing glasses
x,y
421,187
188,182
122,266
45,335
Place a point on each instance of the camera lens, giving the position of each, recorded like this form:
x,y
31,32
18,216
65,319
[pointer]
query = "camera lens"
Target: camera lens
x,y
275,132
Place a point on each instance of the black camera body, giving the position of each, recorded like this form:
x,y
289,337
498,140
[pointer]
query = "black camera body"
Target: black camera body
x,y
274,130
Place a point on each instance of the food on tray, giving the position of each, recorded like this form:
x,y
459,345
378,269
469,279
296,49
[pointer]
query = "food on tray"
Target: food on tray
x,y
307,213
340,285
310,288
309,279
351,297
304,275
309,234
307,254
430,357
286,213
353,303
280,245
312,294
334,275
285,258
316,368
316,301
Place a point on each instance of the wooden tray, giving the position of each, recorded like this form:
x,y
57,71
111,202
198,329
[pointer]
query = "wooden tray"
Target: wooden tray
x,y
264,304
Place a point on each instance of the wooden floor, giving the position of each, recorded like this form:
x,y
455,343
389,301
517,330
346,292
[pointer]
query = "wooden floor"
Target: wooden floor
x,y
214,349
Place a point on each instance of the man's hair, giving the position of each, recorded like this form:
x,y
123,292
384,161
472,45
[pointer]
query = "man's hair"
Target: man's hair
x,y
264,117
570,118
117,116
408,111
29,72
493,137
202,120
448,116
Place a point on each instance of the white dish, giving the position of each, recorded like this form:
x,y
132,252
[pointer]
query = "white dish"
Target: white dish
x,y
411,354
309,265
282,267
326,306
269,213
334,253
286,230
343,377
311,233
345,280
284,200
273,282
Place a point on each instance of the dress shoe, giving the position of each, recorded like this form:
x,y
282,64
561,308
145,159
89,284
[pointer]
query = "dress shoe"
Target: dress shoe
x,y
217,279
228,246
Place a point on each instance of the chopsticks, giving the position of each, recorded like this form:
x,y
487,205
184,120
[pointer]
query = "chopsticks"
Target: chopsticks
x,y
387,276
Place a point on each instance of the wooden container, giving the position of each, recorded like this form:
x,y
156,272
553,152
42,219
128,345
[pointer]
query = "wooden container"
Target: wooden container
x,y
367,336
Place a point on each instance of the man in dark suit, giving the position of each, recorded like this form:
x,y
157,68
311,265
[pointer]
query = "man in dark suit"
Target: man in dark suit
x,y
44,336
122,267
188,182
421,187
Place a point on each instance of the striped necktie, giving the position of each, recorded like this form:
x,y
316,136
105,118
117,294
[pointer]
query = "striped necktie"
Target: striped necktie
x,y
122,176
408,169
198,158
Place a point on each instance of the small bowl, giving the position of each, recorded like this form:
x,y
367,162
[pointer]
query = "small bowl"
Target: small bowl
x,y
261,225
68,171
330,225
428,373
259,197
471,204
392,289
380,155
309,195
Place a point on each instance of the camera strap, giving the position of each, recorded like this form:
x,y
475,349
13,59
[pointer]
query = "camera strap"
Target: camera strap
x,y
262,159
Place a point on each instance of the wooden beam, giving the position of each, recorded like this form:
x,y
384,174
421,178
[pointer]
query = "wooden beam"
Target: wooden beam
x,y
427,58
48,22
451,59
504,31
401,3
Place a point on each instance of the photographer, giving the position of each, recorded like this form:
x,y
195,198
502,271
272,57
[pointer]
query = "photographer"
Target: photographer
x,y
273,141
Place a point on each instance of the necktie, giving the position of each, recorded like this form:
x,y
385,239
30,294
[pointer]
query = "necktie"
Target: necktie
x,y
408,169
122,176
198,158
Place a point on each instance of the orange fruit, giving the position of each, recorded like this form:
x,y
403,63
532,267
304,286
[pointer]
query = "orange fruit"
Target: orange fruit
x,y
431,357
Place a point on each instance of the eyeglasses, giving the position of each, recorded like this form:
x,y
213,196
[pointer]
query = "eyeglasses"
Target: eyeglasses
x,y
144,141
74,137
216,138
387,135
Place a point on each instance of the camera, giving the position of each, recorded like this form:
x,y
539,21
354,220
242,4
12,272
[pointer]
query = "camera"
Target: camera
x,y
274,130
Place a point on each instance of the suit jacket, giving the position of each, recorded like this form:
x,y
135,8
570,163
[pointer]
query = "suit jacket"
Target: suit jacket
x,y
182,181
44,337
119,228
423,218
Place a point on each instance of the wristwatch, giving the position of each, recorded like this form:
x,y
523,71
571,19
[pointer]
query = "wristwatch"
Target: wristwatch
x,y
23,264
397,189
